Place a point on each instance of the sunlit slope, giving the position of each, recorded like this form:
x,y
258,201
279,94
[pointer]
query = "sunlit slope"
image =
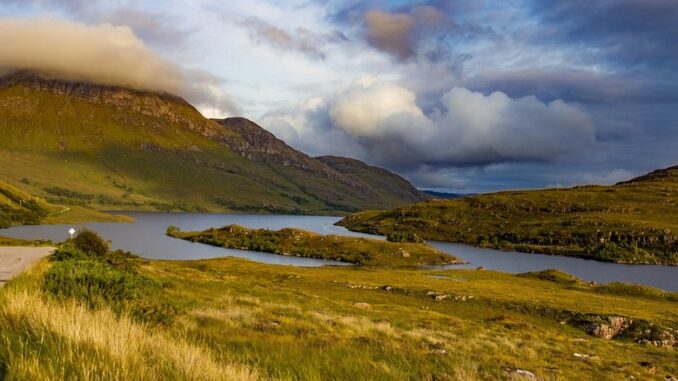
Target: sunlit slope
x,y
631,222
118,149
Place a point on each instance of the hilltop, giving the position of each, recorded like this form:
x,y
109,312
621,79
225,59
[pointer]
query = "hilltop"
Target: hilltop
x,y
112,148
631,222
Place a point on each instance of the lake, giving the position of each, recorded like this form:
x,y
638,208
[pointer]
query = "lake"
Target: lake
x,y
147,238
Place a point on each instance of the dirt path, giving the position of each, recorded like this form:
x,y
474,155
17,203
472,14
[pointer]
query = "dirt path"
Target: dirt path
x,y
14,260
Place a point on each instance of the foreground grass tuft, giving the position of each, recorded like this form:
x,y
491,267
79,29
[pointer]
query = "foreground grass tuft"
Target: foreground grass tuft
x,y
48,340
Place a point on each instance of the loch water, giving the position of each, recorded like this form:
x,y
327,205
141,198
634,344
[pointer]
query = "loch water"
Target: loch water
x,y
146,237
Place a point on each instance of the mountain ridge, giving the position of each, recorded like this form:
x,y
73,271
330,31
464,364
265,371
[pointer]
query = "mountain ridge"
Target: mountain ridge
x,y
123,149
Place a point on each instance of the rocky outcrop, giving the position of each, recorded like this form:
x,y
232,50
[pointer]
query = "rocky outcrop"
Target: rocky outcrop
x,y
640,331
610,329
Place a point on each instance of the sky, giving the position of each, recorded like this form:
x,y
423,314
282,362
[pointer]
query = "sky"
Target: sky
x,y
457,96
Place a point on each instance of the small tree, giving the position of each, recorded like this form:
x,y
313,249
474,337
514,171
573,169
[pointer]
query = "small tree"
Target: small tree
x,y
90,243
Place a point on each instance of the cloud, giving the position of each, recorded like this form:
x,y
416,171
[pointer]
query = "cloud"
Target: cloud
x,y
155,28
390,32
472,129
103,54
300,39
308,127
633,34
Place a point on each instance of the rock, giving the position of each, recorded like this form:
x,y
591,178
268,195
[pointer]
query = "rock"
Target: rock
x,y
521,373
388,288
584,356
670,378
363,306
463,298
480,268
616,324
440,352
649,368
360,286
437,296
666,339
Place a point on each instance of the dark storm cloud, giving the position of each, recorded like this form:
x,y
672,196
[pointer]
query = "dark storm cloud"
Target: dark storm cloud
x,y
576,85
632,34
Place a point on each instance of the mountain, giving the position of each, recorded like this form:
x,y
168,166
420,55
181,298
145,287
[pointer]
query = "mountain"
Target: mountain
x,y
113,148
387,185
631,222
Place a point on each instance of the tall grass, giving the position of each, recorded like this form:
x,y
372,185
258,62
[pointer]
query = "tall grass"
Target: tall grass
x,y
41,339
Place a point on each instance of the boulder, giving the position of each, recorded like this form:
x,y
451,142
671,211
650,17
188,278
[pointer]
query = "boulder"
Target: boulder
x,y
610,329
521,373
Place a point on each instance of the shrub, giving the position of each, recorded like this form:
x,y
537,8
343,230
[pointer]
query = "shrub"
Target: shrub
x,y
90,243
85,270
67,252
93,282
404,237
172,230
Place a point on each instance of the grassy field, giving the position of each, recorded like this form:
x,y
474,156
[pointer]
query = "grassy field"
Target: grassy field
x,y
631,222
301,243
235,319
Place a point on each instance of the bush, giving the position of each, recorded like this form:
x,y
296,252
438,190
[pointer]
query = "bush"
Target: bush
x,y
172,230
404,237
67,252
85,270
93,282
90,243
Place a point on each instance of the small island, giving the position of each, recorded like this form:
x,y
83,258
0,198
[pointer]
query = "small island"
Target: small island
x,y
296,242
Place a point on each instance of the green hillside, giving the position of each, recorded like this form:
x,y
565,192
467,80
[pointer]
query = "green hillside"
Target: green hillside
x,y
18,208
631,222
108,148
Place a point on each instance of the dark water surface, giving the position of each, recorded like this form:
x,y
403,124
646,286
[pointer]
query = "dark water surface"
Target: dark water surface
x,y
147,238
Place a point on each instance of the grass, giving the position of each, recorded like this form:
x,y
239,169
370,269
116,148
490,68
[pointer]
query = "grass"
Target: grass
x,y
42,339
296,242
633,222
237,319
6,241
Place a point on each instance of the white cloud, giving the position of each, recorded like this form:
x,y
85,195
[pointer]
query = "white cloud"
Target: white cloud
x,y
471,128
103,54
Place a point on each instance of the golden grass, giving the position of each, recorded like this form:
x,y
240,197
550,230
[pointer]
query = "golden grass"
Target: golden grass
x,y
46,340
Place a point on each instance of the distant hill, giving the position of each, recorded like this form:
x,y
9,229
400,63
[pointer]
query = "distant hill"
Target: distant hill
x,y
387,185
112,148
444,195
631,222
